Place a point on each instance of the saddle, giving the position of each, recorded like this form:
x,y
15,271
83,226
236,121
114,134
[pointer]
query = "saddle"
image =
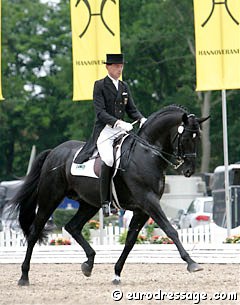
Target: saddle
x,y
92,167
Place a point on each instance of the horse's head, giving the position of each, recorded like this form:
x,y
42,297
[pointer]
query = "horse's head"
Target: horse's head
x,y
185,140
173,134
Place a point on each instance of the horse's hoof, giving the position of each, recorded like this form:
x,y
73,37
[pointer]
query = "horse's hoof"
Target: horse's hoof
x,y
23,282
116,280
86,269
194,267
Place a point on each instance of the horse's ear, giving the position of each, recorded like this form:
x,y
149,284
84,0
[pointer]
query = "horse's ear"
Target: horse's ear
x,y
201,120
185,118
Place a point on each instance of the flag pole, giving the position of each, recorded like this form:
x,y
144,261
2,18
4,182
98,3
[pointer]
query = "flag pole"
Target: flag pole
x,y
31,159
225,149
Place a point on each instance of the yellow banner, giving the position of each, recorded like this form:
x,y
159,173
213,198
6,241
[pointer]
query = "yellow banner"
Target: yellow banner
x,y
95,32
1,97
217,36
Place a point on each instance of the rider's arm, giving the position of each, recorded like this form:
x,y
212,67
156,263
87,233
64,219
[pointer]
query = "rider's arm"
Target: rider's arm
x,y
100,107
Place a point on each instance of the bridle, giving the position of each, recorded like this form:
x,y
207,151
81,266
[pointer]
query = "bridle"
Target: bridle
x,y
179,156
179,149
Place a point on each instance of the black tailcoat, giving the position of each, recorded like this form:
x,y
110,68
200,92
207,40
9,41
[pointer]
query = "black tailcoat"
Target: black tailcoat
x,y
110,105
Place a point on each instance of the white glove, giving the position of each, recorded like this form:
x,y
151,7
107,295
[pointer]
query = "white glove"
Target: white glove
x,y
142,121
124,125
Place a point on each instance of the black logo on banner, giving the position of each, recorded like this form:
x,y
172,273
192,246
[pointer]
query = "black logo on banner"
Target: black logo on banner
x,y
95,14
213,7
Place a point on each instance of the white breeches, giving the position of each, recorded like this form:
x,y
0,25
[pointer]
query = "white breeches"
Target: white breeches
x,y
105,143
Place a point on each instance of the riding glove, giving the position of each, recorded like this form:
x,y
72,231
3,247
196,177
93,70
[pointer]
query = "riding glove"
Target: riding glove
x,y
142,121
124,125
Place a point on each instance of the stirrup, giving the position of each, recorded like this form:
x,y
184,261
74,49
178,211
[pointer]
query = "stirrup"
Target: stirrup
x,y
106,208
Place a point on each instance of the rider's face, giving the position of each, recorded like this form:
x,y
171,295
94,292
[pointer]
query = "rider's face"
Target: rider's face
x,y
115,70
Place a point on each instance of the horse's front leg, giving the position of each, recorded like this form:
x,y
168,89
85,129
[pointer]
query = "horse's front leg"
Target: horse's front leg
x,y
156,212
137,222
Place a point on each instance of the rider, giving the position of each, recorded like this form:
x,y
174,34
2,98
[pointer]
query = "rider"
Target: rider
x,y
112,98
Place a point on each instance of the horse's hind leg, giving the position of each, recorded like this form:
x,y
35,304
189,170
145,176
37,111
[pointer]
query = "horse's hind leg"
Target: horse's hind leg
x,y
45,209
35,232
24,280
137,222
74,227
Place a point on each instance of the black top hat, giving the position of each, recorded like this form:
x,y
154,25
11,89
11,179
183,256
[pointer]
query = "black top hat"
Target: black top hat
x,y
114,59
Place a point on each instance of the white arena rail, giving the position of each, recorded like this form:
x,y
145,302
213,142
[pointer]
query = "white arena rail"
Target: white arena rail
x,y
209,234
205,245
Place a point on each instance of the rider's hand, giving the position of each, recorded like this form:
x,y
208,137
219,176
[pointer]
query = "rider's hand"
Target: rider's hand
x,y
142,121
124,125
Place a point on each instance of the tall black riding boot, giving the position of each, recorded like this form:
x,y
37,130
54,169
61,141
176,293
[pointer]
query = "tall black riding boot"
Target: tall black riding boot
x,y
105,180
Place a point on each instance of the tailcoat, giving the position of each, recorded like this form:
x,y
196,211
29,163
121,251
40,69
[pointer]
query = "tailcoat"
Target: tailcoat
x,y
110,105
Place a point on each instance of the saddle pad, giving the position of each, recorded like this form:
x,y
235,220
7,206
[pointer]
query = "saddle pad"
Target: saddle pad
x,y
87,168
84,169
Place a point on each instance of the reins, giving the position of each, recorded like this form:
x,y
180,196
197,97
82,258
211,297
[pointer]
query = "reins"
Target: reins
x,y
178,155
158,152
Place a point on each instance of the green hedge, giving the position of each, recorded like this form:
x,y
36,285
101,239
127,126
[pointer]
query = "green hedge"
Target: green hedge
x,y
62,217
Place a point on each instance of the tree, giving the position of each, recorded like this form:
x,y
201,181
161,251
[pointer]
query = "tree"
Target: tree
x,y
159,44
37,68
157,38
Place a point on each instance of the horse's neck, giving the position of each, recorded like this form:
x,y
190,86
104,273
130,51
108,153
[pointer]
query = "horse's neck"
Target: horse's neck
x,y
158,131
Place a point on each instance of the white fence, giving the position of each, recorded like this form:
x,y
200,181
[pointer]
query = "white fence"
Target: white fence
x,y
206,234
11,238
199,235
110,236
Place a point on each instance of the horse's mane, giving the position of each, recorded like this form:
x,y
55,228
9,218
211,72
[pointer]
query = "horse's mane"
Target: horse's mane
x,y
171,108
165,110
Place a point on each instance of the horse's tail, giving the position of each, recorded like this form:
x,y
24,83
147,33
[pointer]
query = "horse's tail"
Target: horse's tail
x,y
25,201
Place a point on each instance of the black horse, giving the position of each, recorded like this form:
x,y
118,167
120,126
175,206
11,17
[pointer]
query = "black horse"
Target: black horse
x,y
168,137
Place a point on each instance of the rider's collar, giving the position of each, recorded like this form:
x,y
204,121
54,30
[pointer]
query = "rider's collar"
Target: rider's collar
x,y
115,81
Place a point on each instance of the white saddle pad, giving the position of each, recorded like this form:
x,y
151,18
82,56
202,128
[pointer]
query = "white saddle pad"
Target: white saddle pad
x,y
84,169
87,168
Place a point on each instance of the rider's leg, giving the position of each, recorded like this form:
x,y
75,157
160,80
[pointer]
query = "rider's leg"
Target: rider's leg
x,y
105,148
105,180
